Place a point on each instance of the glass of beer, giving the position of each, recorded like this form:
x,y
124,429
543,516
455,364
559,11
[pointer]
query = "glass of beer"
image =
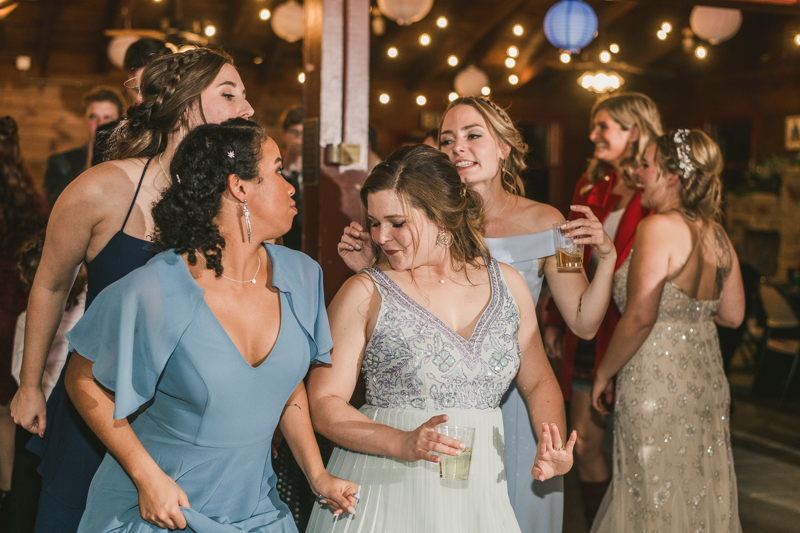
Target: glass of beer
x,y
569,256
456,466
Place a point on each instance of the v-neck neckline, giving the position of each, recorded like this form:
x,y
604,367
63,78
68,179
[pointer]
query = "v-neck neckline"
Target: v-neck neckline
x,y
444,325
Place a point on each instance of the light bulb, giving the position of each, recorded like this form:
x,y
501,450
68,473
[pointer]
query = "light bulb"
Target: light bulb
x,y
264,14
441,22
667,27
486,91
614,48
513,79
605,56
424,39
510,62
701,52
661,34
452,96
797,39
421,100
565,57
384,98
513,51
518,30
210,30
452,61
301,77
392,52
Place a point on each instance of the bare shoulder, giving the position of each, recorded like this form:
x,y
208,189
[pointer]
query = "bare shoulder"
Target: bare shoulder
x,y
357,295
516,284
105,183
662,226
536,216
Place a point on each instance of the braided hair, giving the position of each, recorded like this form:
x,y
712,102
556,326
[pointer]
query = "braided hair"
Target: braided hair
x,y
169,86
504,131
185,215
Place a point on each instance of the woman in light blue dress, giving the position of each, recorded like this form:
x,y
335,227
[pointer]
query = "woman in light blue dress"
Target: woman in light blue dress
x,y
440,330
185,367
488,152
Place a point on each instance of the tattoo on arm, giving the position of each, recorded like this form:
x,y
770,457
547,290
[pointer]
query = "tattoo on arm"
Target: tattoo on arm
x,y
288,405
580,303
724,258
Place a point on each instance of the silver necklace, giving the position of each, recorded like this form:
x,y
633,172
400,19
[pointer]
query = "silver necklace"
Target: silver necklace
x,y
253,280
163,170
508,197
435,280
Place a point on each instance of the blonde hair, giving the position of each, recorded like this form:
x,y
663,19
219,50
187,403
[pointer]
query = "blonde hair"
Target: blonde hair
x,y
701,190
503,131
627,110
424,178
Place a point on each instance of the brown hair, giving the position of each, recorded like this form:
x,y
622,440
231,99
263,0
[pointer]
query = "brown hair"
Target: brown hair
x,y
627,110
503,131
425,178
701,190
21,208
169,86
103,94
30,254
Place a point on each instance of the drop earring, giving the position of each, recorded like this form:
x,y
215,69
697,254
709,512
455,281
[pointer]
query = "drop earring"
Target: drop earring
x,y
444,238
246,213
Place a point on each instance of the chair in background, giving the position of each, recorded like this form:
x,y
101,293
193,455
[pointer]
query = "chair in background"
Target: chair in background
x,y
779,317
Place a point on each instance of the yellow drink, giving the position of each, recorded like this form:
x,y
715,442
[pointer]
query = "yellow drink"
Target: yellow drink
x,y
455,467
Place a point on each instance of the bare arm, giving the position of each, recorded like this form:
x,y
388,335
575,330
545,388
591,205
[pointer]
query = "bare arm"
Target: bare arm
x,y
331,386
296,427
160,498
539,387
582,304
648,272
68,234
728,283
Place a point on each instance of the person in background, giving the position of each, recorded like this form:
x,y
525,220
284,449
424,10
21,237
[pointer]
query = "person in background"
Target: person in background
x,y
137,56
622,126
292,140
673,463
100,106
26,483
432,138
22,214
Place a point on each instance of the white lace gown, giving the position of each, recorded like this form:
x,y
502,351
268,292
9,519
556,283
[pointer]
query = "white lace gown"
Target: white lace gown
x,y
673,466
417,367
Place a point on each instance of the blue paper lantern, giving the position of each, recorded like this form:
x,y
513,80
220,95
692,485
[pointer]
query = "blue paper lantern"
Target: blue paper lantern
x,y
570,25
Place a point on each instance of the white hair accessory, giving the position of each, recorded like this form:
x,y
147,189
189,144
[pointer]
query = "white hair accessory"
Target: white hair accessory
x,y
681,138
231,154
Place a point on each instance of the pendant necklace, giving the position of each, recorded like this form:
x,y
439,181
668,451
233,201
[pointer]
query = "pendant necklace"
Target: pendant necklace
x,y
435,280
253,280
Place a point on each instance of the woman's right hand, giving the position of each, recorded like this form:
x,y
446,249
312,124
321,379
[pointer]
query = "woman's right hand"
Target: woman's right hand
x,y
355,247
29,409
160,501
422,441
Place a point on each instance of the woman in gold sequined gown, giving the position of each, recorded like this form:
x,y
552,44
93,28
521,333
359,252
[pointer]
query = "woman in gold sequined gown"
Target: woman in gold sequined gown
x,y
673,467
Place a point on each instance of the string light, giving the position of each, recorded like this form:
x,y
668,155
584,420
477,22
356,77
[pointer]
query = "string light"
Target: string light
x,y
614,48
441,22
486,91
424,39
452,96
513,51
392,52
258,60
666,27
518,30
513,79
452,61
797,39
510,62
301,77
565,57
421,100
661,34
264,14
605,56
701,52
210,30
384,98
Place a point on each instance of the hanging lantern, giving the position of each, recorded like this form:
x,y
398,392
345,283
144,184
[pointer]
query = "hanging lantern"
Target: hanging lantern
x,y
117,48
287,21
405,12
470,81
715,24
570,25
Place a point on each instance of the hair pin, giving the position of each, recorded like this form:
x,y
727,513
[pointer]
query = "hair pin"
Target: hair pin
x,y
683,149
231,154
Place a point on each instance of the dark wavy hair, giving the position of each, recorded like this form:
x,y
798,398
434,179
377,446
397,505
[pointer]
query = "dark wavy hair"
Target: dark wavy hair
x,y
22,211
425,178
185,215
169,86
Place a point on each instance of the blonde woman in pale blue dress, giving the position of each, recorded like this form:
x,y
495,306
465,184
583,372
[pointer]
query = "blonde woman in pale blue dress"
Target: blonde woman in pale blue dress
x,y
439,330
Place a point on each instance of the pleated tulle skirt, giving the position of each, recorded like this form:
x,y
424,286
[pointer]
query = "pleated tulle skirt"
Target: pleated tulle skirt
x,y
402,497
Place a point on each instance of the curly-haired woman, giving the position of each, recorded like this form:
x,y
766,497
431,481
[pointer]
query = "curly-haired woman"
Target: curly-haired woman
x,y
102,218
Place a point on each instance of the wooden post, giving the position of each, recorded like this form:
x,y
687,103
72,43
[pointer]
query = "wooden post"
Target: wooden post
x,y
336,57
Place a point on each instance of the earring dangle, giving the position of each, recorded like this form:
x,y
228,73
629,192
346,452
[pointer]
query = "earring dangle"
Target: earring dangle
x,y
246,213
444,238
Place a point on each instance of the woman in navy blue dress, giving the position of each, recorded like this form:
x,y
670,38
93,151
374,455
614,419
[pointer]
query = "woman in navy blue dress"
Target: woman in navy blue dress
x,y
208,345
103,218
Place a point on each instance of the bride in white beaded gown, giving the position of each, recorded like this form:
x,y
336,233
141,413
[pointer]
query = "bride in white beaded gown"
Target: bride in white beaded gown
x,y
673,467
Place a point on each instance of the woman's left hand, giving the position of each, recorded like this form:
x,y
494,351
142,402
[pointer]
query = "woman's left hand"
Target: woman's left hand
x,y
553,458
602,392
338,494
589,231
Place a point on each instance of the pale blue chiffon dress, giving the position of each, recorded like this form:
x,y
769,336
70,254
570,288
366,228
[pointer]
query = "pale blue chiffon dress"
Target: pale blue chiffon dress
x,y
204,414
416,367
539,506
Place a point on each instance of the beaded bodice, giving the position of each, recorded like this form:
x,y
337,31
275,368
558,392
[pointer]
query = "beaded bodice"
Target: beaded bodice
x,y
415,361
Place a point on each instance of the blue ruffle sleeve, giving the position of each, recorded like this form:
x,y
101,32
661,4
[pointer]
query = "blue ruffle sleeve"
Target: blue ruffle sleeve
x,y
134,325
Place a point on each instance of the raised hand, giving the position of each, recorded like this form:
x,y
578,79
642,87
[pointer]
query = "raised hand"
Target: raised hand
x,y
553,458
590,231
338,494
160,502
355,247
422,441
29,409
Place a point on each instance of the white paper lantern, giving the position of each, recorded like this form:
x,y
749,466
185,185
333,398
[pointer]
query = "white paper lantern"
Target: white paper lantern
x,y
117,48
715,24
470,81
405,12
287,21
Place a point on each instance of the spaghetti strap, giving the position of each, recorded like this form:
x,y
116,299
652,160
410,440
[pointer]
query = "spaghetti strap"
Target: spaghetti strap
x,y
133,202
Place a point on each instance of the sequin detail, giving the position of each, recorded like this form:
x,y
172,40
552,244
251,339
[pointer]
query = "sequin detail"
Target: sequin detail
x,y
415,361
